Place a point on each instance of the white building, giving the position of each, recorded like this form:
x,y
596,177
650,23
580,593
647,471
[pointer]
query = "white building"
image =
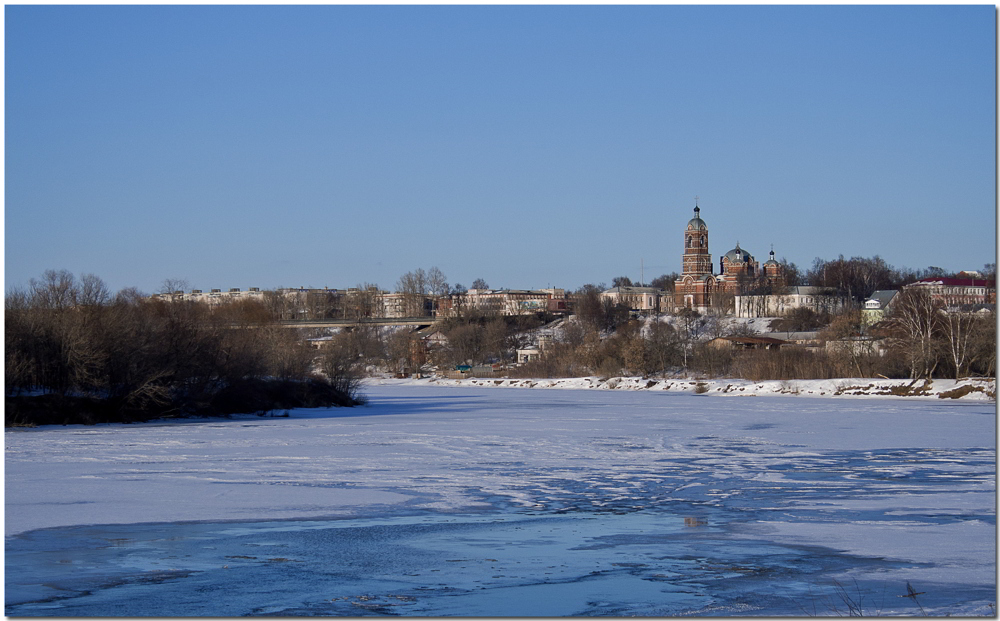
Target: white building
x,y
816,299
212,297
645,300
504,301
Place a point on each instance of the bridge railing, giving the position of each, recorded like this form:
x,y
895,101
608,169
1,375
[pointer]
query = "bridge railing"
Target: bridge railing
x,y
344,323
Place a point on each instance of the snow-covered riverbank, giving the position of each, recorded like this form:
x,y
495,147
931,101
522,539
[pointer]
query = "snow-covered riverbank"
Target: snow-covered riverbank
x,y
969,389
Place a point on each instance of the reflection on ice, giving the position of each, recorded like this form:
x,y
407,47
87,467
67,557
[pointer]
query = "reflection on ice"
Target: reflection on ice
x,y
641,563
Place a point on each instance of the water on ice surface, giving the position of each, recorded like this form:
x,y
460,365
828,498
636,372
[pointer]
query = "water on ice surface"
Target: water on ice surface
x,y
477,501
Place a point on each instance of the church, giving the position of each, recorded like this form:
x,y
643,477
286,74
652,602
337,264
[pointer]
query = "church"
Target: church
x,y
698,288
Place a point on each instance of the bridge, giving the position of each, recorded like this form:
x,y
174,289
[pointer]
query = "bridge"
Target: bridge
x,y
354,323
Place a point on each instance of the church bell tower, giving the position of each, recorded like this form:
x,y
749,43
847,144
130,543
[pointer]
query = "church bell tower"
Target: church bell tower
x,y
696,261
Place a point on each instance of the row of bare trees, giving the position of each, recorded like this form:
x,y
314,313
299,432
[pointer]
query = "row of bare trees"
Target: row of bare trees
x,y
417,285
931,338
858,277
128,357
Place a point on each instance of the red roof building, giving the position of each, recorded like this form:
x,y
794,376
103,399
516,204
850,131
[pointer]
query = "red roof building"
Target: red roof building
x,y
958,291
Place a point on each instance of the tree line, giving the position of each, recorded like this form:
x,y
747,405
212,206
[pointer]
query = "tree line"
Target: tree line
x,y
77,352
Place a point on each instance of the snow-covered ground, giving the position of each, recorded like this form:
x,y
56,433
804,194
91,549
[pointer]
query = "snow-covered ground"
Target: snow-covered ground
x,y
975,389
443,499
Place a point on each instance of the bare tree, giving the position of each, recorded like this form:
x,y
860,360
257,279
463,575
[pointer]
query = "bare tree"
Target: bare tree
x,y
173,285
343,369
365,301
664,347
57,290
465,344
437,282
690,330
739,329
984,342
93,291
400,346
479,283
132,377
665,281
498,341
723,303
851,350
790,274
572,333
414,287
636,355
320,304
413,282
915,322
279,305
615,314
959,332
587,306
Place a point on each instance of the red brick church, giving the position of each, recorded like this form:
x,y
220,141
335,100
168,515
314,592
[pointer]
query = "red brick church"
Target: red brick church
x,y
698,288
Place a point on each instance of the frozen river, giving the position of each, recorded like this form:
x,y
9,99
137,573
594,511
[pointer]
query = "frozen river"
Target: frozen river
x,y
443,501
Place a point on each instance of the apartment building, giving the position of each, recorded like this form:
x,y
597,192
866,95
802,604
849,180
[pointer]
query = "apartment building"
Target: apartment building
x,y
958,292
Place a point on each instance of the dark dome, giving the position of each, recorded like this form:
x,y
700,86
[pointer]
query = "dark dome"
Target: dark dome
x,y
737,254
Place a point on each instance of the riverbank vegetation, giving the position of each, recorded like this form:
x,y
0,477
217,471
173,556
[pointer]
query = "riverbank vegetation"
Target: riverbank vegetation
x,y
918,342
77,353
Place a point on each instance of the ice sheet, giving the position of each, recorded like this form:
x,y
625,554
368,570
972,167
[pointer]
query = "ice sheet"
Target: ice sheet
x,y
904,487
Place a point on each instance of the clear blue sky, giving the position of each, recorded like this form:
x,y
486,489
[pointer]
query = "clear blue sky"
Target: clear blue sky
x,y
532,146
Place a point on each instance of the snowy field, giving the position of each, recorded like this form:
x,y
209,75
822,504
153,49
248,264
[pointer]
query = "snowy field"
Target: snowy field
x,y
439,499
